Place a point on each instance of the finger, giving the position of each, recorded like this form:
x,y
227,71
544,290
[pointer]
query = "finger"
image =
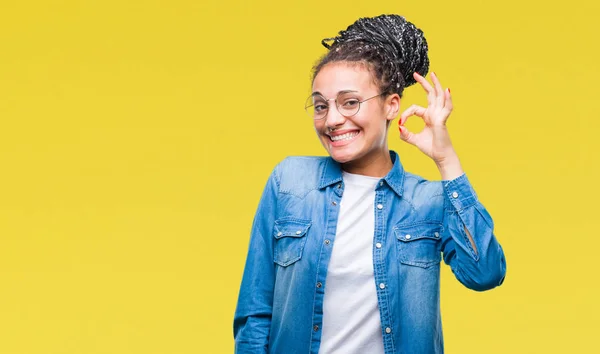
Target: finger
x,y
406,135
439,91
448,105
426,86
421,80
413,110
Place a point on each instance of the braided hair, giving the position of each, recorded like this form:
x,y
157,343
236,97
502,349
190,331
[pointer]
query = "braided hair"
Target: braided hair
x,y
392,47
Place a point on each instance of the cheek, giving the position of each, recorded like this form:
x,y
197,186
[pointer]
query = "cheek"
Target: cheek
x,y
318,125
375,127
371,121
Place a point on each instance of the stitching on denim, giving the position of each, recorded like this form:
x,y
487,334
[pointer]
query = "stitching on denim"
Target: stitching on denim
x,y
312,332
312,320
327,213
387,297
291,192
410,204
467,202
430,225
305,224
424,265
420,222
302,242
276,177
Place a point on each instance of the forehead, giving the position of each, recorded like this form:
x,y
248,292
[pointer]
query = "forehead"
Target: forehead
x,y
340,76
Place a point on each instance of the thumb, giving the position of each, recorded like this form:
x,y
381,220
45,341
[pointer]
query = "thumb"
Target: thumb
x,y
406,135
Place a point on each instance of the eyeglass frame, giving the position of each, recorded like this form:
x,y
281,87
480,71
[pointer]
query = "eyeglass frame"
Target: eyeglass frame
x,y
336,103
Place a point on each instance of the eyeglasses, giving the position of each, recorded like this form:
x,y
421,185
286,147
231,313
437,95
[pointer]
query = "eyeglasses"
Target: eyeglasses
x,y
346,103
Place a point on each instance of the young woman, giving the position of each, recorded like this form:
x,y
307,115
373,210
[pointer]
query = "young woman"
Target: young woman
x,y
345,250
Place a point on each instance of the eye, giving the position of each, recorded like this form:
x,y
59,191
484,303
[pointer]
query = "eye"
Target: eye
x,y
350,103
320,107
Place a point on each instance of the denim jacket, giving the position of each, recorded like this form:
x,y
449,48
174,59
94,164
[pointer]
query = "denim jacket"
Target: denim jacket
x,y
280,305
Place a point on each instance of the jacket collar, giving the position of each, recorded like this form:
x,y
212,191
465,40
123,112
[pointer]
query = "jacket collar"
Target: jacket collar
x,y
332,173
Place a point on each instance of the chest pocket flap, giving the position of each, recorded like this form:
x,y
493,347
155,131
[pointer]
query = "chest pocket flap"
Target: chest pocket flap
x,y
419,244
290,238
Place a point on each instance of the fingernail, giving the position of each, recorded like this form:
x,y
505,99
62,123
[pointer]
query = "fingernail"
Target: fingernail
x,y
448,89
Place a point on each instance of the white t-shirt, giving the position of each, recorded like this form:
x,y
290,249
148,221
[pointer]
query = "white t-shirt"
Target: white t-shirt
x,y
351,322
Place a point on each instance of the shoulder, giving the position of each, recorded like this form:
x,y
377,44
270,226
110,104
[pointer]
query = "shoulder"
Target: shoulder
x,y
416,185
304,163
300,174
426,197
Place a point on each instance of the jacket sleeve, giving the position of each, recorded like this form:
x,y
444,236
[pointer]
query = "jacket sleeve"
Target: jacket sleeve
x,y
479,265
252,319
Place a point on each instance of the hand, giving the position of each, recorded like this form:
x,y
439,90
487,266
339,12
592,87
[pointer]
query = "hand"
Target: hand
x,y
433,140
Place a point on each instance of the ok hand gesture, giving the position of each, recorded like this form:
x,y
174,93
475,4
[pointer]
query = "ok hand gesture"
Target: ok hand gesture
x,y
433,140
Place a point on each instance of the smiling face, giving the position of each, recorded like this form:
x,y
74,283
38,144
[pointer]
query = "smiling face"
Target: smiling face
x,y
360,140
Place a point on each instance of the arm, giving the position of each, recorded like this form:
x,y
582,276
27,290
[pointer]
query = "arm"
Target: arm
x,y
252,320
468,242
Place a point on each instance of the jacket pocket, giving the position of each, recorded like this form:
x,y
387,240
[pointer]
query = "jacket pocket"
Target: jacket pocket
x,y
419,244
290,237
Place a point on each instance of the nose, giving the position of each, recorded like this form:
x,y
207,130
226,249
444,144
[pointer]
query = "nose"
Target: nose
x,y
334,118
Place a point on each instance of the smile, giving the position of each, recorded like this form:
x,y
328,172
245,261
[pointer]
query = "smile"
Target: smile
x,y
346,136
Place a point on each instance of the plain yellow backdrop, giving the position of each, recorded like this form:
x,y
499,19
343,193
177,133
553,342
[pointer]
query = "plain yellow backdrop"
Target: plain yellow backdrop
x,y
136,138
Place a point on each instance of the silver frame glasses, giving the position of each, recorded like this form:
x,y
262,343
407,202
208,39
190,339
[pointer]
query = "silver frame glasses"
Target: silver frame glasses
x,y
310,103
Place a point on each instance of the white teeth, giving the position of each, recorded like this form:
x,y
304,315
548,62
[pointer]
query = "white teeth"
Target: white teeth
x,y
346,136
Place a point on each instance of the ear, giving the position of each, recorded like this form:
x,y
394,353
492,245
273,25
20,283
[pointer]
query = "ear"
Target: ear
x,y
392,104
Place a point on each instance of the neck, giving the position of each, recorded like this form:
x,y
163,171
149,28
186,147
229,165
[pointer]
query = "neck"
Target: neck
x,y
376,165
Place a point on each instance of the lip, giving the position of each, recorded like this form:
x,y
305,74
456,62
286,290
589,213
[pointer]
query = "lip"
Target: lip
x,y
342,132
343,142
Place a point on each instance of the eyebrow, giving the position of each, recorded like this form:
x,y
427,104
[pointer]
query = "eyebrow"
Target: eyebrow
x,y
317,93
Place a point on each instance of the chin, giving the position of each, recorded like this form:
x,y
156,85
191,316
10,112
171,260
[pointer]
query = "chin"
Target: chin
x,y
343,156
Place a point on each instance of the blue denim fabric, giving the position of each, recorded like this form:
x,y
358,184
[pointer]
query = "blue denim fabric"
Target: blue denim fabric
x,y
280,305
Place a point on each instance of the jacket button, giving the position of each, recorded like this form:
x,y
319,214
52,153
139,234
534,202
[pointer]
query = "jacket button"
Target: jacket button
x,y
454,195
388,330
319,285
379,206
327,242
316,328
407,237
378,245
333,203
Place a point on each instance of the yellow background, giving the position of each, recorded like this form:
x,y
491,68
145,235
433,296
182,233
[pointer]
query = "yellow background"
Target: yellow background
x,y
136,138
